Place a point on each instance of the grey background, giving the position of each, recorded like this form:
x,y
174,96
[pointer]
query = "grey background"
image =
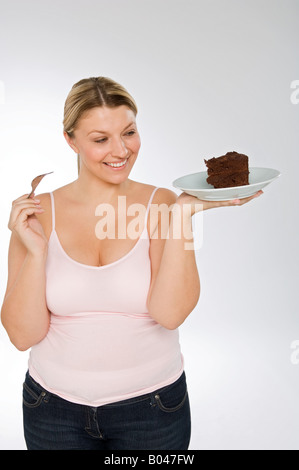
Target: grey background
x,y
208,77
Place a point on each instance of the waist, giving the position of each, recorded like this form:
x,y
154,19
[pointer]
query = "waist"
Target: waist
x,y
98,358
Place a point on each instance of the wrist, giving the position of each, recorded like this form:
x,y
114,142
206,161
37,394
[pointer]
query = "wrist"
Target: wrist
x,y
182,210
39,256
189,205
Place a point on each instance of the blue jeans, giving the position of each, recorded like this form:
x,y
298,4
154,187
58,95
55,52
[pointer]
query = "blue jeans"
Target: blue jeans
x,y
156,421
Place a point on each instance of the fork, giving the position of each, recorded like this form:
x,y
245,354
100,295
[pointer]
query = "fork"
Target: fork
x,y
35,182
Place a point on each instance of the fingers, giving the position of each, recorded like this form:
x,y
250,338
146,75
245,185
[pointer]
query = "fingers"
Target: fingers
x,y
25,202
229,203
22,208
25,213
24,197
241,202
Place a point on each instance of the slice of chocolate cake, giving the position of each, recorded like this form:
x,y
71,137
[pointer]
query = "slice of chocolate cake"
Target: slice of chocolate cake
x,y
228,171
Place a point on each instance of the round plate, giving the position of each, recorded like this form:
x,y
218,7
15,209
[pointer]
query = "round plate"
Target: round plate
x,y
196,185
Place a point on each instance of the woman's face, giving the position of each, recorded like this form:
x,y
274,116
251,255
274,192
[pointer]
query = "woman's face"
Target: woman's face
x,y
107,141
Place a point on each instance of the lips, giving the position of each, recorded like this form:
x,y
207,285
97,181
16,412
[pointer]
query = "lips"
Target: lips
x,y
116,164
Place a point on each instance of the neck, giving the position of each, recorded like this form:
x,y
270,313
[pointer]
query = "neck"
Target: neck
x,y
89,188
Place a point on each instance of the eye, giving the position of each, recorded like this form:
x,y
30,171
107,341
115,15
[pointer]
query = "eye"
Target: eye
x,y
101,141
131,133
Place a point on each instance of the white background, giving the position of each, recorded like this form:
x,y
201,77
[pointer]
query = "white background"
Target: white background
x,y
209,76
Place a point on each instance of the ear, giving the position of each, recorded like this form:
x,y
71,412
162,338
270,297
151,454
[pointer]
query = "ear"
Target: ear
x,y
70,141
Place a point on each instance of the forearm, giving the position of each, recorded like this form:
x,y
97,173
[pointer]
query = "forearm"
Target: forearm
x,y
24,313
176,289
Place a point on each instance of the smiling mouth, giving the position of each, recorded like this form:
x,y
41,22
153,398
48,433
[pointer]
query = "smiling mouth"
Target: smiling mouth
x,y
116,165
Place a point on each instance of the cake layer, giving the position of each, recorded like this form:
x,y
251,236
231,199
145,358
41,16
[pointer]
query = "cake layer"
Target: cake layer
x,y
231,162
228,170
228,181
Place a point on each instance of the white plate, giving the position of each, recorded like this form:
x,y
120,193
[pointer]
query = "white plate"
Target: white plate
x,y
196,185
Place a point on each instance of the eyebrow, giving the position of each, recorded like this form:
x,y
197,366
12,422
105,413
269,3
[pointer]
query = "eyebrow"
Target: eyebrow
x,y
104,132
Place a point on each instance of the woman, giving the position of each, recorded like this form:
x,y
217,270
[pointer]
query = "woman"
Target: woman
x,y
100,312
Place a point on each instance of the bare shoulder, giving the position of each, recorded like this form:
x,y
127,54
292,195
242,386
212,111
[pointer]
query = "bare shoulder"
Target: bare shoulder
x,y
159,214
162,195
166,195
45,218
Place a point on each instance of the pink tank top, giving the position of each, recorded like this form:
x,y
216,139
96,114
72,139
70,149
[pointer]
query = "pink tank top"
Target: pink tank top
x,y
102,345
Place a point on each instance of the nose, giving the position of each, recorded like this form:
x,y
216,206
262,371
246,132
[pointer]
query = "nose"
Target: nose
x,y
119,149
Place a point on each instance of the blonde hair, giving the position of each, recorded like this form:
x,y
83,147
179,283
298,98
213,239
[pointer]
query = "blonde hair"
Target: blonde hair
x,y
90,93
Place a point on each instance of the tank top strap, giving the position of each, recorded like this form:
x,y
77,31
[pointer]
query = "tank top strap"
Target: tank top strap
x,y
53,211
149,204
147,211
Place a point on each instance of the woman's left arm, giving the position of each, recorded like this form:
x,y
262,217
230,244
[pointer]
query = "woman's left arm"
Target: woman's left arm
x,y
175,285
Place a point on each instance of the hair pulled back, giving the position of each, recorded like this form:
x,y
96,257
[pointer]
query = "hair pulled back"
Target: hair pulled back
x,y
90,93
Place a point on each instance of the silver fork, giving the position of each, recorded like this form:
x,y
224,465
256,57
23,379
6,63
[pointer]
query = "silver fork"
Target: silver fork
x,y
35,182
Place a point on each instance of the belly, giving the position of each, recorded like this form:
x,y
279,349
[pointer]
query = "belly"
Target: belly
x,y
103,357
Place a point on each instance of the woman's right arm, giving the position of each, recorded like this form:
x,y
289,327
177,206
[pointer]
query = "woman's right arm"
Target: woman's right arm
x,y
24,312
